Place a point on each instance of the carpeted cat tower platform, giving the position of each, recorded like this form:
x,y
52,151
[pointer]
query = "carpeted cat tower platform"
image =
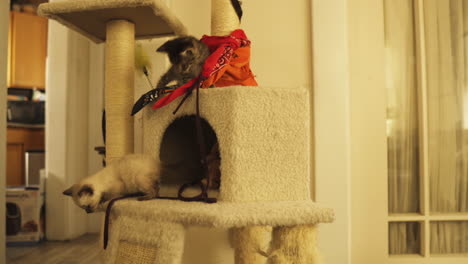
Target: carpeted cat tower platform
x,y
263,135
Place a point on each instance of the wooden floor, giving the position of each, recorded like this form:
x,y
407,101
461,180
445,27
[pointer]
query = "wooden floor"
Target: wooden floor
x,y
81,250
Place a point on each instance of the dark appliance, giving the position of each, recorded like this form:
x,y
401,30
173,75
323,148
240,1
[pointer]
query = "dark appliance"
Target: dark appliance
x,y
13,219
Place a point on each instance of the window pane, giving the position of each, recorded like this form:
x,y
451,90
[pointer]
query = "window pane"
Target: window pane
x,y
402,107
404,238
449,237
447,105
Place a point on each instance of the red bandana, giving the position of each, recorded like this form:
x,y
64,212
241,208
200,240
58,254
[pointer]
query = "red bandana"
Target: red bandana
x,y
228,64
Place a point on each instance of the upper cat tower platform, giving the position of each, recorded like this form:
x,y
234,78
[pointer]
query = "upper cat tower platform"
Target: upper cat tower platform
x,y
151,18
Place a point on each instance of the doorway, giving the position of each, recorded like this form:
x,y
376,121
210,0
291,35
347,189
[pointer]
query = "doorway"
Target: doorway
x,y
25,128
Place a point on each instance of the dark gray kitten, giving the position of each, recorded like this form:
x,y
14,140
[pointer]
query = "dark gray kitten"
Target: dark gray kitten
x,y
187,55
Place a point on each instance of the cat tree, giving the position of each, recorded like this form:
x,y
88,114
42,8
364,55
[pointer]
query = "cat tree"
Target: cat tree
x,y
264,148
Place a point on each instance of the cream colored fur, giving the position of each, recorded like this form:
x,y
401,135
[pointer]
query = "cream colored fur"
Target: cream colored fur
x,y
128,175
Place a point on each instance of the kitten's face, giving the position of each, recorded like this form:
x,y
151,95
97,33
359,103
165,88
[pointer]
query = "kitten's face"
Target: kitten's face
x,y
85,197
184,49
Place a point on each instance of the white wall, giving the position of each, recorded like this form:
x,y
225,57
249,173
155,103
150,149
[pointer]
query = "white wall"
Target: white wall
x,y
4,20
67,133
158,65
95,107
281,36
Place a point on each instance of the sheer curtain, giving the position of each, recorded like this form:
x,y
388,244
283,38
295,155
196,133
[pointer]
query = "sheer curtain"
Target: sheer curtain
x,y
402,123
446,43
402,108
446,48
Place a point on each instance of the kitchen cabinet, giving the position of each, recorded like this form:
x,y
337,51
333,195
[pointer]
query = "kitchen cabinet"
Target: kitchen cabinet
x,y
27,50
20,140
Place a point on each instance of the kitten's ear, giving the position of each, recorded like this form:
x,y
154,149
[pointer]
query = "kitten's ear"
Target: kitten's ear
x,y
162,48
86,189
69,191
166,47
176,45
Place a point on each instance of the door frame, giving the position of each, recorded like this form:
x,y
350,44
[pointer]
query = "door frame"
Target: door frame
x,y
4,23
350,140
331,119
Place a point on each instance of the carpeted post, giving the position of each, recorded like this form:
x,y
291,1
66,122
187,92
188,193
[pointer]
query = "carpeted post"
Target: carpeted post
x,y
224,19
250,244
133,242
294,245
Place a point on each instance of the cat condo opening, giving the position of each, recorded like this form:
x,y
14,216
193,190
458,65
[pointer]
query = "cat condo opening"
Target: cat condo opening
x,y
180,156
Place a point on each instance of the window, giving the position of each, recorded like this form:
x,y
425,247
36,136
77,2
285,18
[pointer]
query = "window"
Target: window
x,y
426,64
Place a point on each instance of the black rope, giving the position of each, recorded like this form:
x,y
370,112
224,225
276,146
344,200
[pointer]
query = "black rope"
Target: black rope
x,y
107,217
203,196
145,72
187,94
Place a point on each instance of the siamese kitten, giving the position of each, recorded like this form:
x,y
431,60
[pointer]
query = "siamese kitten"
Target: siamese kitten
x,y
187,55
133,173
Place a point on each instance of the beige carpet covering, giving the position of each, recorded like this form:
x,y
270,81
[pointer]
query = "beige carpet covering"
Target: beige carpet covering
x,y
225,214
263,135
152,18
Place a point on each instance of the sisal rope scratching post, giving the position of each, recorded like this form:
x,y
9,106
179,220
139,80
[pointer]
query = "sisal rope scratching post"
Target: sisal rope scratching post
x,y
224,19
119,79
248,240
